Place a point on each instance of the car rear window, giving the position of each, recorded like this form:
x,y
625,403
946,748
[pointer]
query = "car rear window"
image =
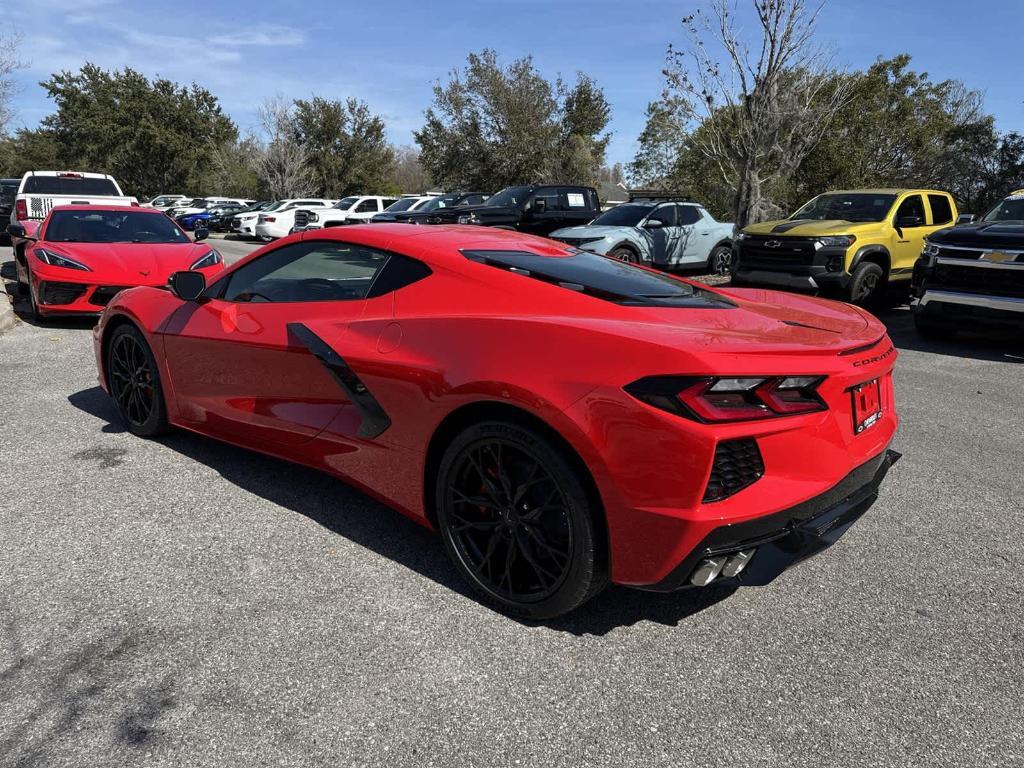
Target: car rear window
x,y
602,278
69,185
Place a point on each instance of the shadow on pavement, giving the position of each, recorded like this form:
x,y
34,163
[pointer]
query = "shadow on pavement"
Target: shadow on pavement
x,y
994,345
349,513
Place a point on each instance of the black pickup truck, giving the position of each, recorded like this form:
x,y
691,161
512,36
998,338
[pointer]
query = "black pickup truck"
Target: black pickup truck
x,y
972,275
8,191
537,208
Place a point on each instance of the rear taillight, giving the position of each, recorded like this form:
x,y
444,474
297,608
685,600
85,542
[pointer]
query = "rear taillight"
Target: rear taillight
x,y
716,399
269,219
21,210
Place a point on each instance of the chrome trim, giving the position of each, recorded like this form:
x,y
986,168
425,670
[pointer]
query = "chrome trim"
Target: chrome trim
x,y
1007,303
976,248
980,263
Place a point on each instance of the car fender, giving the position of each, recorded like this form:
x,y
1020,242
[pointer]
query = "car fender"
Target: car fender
x,y
868,250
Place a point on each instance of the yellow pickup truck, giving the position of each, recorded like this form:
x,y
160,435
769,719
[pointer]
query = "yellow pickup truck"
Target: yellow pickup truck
x,y
848,244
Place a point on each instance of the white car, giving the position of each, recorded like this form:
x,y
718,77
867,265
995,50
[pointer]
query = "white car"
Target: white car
x,y
357,209
278,222
163,202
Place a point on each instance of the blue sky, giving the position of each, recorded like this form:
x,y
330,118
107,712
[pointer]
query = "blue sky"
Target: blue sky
x,y
390,53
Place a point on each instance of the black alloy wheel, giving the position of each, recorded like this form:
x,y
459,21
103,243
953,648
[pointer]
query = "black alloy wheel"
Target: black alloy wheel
x,y
865,287
627,255
720,260
134,382
516,521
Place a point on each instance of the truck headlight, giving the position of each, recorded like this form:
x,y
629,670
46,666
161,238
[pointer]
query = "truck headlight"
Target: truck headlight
x,y
930,249
837,241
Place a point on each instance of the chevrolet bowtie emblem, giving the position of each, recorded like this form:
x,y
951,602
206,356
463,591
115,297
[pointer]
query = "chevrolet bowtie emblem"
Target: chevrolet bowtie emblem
x,y
998,256
773,244
143,273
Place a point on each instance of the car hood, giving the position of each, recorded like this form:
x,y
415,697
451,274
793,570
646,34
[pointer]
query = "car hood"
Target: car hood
x,y
132,262
983,235
591,231
809,227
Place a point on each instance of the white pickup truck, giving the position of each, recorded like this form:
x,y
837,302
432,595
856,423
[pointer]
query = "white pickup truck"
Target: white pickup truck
x,y
41,191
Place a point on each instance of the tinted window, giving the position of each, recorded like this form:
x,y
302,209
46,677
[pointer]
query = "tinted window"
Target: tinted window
x,y
912,206
687,214
602,277
666,214
554,199
847,206
1010,209
69,185
510,196
473,200
308,271
401,205
942,211
625,215
112,227
367,206
345,203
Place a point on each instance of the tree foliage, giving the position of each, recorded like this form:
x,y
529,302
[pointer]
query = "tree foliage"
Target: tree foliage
x,y
346,146
153,136
9,64
492,126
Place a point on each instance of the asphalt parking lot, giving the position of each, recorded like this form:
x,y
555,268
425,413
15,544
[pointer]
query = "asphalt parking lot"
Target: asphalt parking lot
x,y
186,603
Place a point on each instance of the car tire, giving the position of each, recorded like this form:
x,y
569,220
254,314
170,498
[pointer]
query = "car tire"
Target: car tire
x,y
867,283
517,522
930,329
20,287
34,315
627,255
720,260
133,379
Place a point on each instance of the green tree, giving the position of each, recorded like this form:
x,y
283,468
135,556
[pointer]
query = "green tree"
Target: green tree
x,y
153,136
492,126
346,147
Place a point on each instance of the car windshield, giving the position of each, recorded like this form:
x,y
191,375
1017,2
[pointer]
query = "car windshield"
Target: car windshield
x,y
444,201
402,205
69,185
510,196
345,203
625,215
848,206
112,227
1007,210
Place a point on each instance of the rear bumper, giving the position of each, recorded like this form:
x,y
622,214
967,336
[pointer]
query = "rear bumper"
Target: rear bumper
x,y
783,539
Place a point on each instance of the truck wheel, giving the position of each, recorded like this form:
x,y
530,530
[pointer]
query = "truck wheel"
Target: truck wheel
x,y
627,255
866,284
720,260
929,329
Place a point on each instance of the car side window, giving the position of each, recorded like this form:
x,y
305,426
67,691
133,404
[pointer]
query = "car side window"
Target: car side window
x,y
913,206
666,214
553,199
942,211
307,271
687,214
366,206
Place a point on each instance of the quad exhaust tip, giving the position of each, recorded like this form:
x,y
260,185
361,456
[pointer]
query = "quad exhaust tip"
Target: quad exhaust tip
x,y
726,566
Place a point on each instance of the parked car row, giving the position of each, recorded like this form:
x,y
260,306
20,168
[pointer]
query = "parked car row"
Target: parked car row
x,y
853,245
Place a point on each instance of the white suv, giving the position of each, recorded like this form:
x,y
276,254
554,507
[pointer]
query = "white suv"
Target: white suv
x,y
278,222
357,209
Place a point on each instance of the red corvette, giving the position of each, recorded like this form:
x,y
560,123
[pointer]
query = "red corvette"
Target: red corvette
x,y
82,255
561,418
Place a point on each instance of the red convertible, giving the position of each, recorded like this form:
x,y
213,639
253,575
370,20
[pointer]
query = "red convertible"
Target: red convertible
x,y
81,256
563,419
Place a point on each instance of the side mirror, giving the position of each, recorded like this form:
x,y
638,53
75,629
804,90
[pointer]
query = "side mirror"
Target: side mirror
x,y
200,232
654,224
187,286
965,218
16,230
908,222
540,205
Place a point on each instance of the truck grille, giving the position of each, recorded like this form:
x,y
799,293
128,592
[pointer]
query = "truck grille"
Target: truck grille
x,y
973,279
301,218
776,252
737,464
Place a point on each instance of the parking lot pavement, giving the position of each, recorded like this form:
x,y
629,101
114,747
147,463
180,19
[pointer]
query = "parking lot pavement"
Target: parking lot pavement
x,y
232,248
186,603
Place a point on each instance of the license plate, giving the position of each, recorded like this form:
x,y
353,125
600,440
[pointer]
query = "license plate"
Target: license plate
x,y
867,405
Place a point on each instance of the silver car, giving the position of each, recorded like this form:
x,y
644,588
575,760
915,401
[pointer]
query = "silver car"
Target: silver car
x,y
661,232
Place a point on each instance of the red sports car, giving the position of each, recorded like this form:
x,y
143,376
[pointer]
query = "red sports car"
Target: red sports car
x,y
563,419
82,255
